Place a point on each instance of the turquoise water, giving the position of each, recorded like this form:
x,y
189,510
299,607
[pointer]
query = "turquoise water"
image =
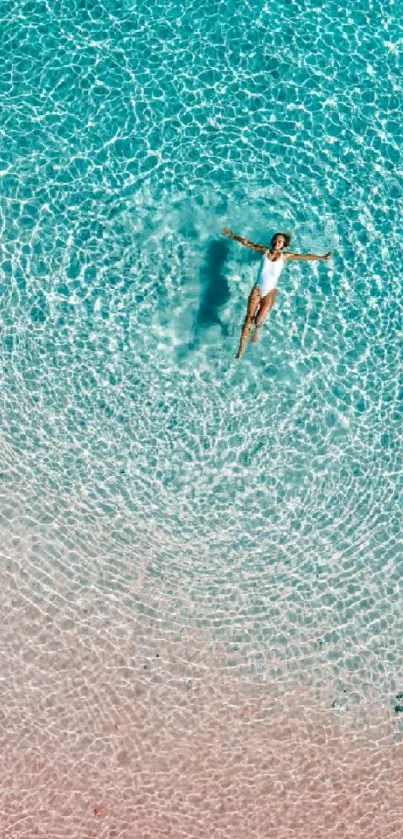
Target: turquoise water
x,y
144,470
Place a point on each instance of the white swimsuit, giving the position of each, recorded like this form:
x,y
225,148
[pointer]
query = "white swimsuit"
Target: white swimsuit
x,y
269,274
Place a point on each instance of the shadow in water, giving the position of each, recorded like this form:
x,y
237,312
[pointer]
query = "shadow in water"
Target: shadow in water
x,y
215,291
214,294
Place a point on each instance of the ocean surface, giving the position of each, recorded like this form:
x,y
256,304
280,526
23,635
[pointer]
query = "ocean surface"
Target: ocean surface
x,y
201,604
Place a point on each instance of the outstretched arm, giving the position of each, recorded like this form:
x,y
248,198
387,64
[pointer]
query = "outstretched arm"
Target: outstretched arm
x,y
307,256
246,242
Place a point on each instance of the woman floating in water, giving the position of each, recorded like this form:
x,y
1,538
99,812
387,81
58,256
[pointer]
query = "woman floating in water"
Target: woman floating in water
x,y
263,294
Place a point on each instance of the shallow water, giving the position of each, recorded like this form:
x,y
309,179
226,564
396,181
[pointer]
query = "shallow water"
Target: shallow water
x,y
201,559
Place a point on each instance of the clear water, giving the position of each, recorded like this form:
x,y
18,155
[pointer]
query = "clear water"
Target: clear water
x,y
201,559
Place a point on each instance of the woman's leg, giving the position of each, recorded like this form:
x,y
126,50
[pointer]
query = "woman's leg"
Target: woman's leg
x,y
266,304
253,304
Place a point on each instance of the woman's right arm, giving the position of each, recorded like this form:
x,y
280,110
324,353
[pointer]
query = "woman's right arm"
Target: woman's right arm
x,y
243,241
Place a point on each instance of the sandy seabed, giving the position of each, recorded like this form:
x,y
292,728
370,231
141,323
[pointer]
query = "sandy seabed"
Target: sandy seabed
x,y
117,731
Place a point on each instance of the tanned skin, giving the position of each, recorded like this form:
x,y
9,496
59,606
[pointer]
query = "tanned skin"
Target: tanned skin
x,y
259,306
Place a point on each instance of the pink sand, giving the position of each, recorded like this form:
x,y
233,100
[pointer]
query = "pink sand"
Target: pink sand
x,y
115,725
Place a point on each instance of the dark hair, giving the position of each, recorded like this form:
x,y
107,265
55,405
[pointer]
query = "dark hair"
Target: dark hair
x,y
286,236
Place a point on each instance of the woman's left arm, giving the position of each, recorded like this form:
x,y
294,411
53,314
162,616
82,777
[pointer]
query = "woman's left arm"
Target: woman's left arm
x,y
307,256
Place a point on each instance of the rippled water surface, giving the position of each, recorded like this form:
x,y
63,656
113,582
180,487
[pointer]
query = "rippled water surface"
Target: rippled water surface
x,y
201,559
